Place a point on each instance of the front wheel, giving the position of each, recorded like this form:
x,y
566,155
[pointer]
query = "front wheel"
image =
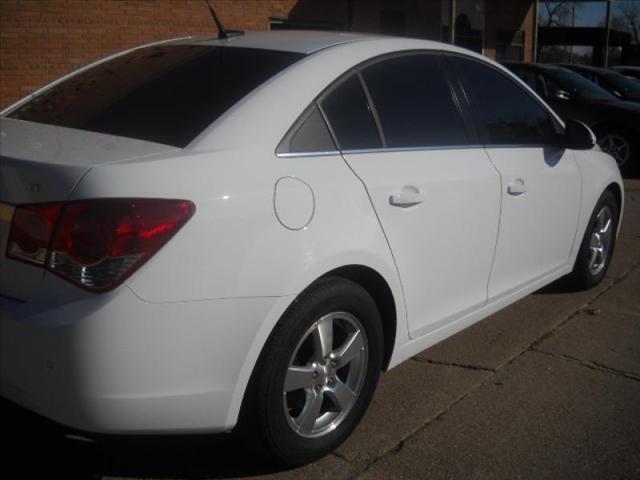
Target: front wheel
x,y
316,375
597,244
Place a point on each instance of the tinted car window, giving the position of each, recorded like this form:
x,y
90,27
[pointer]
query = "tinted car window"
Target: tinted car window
x,y
506,113
577,85
309,134
627,87
165,94
350,116
414,102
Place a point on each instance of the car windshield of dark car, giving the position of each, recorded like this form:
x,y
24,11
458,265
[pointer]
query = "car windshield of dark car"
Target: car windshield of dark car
x,y
626,86
165,94
578,86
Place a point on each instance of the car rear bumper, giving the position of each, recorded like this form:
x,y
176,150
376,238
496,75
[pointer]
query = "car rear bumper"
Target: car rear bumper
x,y
113,363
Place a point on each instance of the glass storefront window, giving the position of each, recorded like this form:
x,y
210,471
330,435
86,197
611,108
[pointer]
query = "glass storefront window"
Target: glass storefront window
x,y
469,23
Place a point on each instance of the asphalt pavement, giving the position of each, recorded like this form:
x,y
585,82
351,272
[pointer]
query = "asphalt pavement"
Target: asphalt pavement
x,y
547,388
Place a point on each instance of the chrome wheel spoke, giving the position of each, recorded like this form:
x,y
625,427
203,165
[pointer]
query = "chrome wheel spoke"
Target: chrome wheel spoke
x,y
615,145
323,337
349,350
592,256
600,220
310,413
299,377
341,395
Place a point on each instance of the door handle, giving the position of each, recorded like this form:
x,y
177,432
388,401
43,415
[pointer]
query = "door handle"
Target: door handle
x,y
408,197
517,187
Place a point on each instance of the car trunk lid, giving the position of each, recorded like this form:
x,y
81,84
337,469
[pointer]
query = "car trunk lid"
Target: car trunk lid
x,y
43,163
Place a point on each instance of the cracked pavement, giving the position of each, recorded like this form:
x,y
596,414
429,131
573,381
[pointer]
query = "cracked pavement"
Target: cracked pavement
x,y
547,388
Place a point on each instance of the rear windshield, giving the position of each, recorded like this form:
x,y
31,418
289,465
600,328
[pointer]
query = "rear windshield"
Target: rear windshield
x,y
164,94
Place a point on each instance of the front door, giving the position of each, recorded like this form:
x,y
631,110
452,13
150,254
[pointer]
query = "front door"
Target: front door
x,y
540,182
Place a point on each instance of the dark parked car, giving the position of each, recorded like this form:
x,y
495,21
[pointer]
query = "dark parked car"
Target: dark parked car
x,y
624,88
628,71
616,123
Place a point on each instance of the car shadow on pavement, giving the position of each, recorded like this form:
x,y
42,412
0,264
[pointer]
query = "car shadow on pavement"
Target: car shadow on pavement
x,y
35,447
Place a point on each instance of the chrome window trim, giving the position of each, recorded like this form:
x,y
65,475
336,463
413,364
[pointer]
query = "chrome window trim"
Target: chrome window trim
x,y
407,149
411,149
307,154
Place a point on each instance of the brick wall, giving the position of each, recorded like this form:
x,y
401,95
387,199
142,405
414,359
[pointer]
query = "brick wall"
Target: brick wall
x,y
41,40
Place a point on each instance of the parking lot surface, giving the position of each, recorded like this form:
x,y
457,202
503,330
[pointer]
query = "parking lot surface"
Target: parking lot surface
x,y
547,388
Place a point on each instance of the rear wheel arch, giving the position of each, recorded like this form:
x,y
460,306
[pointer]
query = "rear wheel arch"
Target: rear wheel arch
x,y
376,285
259,423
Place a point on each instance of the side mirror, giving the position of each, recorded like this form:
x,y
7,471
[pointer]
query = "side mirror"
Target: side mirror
x,y
560,95
577,136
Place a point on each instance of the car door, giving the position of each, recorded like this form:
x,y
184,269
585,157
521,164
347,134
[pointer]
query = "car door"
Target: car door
x,y
436,195
540,182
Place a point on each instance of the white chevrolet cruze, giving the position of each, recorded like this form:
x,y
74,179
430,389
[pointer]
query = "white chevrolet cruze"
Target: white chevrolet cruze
x,y
207,234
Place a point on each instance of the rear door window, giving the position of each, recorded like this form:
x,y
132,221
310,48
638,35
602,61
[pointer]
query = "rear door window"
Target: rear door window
x,y
165,94
414,102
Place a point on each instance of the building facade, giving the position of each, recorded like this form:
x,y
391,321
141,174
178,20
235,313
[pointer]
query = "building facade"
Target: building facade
x,y
42,40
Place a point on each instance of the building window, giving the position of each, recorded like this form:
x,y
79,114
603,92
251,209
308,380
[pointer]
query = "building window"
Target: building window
x,y
509,45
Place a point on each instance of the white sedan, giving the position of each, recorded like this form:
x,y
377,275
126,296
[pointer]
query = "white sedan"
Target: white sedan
x,y
203,235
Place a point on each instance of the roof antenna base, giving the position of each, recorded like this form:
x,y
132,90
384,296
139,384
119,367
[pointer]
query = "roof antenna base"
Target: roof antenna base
x,y
222,32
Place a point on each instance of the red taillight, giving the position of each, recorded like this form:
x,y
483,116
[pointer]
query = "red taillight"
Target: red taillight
x,y
95,243
31,232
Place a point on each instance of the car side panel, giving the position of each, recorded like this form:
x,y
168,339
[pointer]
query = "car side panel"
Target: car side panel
x,y
598,170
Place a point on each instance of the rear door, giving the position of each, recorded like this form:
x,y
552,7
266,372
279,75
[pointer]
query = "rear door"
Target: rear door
x,y
541,184
436,194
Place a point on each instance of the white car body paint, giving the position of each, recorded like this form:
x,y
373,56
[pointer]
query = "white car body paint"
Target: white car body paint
x,y
172,349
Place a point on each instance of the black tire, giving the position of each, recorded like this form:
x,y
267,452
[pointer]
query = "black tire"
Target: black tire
x,y
583,277
267,419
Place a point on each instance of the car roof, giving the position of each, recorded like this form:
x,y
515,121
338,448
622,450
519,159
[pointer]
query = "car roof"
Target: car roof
x,y
298,41
301,41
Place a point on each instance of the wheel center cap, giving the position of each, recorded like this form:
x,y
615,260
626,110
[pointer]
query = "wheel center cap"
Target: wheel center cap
x,y
323,374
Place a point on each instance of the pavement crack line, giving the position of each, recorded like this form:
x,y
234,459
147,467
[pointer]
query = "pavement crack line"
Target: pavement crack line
x,y
590,364
584,308
401,444
453,364
532,347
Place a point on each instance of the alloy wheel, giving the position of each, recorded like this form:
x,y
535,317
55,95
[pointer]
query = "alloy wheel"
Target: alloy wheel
x,y
617,146
325,374
600,242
